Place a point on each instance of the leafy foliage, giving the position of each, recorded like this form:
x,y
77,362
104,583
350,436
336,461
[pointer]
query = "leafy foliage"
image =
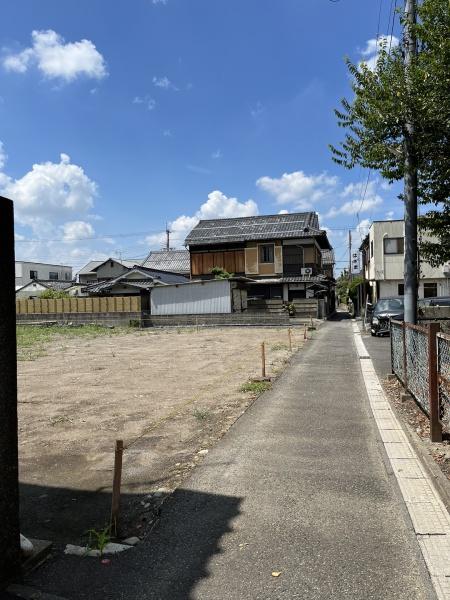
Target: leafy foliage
x,y
53,294
220,273
388,97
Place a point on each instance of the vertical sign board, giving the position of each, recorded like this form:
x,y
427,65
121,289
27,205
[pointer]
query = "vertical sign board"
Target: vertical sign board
x,y
9,487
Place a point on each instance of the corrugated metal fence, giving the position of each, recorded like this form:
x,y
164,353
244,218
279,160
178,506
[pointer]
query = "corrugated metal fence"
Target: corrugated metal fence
x,y
108,304
195,298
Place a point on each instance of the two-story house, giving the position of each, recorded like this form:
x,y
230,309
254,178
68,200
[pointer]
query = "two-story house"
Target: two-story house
x,y
29,271
383,257
281,254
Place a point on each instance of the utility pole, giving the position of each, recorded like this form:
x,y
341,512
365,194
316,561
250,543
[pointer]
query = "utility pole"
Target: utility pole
x,y
168,232
410,178
9,470
349,255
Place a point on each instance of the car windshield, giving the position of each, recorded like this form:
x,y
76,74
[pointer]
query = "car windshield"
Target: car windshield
x,y
389,305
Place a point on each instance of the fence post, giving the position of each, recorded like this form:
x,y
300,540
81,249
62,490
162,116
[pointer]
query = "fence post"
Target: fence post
x,y
263,360
9,484
433,383
392,346
405,360
290,340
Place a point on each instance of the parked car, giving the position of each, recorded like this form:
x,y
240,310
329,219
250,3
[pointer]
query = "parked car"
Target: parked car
x,y
436,301
383,311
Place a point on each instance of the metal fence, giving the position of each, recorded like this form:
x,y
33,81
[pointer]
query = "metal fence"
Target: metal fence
x,y
443,364
420,357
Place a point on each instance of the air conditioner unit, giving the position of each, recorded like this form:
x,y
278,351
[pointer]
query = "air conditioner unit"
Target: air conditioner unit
x,y
306,271
446,270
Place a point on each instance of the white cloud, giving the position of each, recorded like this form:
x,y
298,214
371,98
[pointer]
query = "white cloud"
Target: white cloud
x,y
283,211
298,189
217,154
164,2
218,206
164,83
361,199
77,230
149,102
167,133
389,215
48,193
371,51
58,60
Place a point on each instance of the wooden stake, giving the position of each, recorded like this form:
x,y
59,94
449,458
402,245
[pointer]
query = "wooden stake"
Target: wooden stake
x,y
115,503
305,336
290,339
263,360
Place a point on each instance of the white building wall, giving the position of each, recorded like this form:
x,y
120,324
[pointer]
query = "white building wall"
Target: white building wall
x,y
388,269
195,298
23,269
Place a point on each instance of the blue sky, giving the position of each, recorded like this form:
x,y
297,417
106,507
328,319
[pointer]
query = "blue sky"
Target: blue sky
x,y
116,117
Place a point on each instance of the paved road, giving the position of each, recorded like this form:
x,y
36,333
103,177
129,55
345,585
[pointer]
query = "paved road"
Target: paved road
x,y
379,349
299,485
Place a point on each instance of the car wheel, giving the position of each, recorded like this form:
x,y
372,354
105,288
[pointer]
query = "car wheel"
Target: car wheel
x,y
373,334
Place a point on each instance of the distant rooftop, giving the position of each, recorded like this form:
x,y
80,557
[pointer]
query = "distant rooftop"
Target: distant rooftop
x,y
265,227
175,261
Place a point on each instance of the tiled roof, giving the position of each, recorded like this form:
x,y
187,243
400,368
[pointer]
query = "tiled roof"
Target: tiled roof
x,y
328,257
265,227
55,284
176,261
91,267
153,277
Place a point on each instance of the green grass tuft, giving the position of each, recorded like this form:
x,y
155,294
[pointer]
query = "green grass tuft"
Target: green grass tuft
x,y
256,387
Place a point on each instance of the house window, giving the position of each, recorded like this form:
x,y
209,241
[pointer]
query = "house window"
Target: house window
x,y
401,289
393,245
429,290
371,249
33,274
67,276
53,275
266,252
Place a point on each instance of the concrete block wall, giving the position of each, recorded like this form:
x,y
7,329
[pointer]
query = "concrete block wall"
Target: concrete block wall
x,y
119,319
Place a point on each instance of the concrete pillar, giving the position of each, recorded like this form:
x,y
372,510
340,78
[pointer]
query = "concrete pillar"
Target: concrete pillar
x,y
9,485
285,292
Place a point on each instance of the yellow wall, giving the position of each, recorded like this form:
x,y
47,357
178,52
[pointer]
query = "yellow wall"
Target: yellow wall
x,y
79,305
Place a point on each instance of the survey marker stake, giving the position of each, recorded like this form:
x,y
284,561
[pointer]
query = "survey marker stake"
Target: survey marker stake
x,y
115,503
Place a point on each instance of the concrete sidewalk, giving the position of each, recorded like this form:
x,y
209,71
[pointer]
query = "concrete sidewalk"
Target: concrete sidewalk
x,y
299,485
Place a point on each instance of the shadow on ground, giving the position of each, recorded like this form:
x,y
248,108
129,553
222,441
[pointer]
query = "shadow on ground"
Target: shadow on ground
x,y
167,564
339,316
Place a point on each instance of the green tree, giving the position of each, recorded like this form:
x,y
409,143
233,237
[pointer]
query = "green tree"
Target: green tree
x,y
375,121
53,294
220,273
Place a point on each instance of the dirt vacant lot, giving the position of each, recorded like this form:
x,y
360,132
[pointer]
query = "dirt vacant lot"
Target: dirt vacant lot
x,y
168,394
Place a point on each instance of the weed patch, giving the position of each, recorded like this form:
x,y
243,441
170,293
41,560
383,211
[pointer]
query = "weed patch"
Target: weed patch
x,y
201,414
256,387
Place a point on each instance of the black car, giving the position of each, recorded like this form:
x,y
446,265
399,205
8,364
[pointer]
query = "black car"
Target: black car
x,y
383,311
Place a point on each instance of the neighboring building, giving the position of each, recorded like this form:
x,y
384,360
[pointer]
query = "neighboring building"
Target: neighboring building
x,y
28,271
281,253
33,289
174,261
383,255
328,262
104,270
137,281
